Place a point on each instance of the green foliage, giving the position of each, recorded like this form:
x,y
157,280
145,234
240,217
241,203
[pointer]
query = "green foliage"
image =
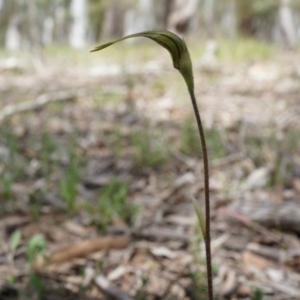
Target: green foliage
x,y
199,291
112,203
266,8
251,14
48,148
215,144
12,166
15,240
200,215
146,144
37,284
189,141
275,150
258,294
198,288
148,148
68,185
35,247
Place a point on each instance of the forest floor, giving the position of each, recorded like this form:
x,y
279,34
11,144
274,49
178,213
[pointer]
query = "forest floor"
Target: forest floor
x,y
97,159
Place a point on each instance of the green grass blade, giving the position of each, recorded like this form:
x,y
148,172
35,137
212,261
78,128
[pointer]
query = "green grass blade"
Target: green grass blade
x,y
200,215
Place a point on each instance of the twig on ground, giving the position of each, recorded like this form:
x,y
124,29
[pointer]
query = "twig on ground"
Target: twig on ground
x,y
41,101
83,249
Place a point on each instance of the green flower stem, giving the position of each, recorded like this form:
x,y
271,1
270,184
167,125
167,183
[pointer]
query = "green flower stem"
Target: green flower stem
x,y
206,191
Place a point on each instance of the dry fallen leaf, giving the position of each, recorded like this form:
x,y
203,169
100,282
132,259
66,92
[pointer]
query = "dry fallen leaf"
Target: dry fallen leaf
x,y
251,261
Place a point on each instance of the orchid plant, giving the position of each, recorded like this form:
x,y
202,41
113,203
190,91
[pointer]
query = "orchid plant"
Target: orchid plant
x,y
182,62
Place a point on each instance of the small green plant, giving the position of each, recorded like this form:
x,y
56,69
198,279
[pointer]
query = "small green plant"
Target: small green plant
x,y
12,167
112,203
15,240
148,150
48,147
182,62
68,185
141,293
258,294
34,202
274,150
198,288
215,144
35,248
7,182
118,142
147,145
188,142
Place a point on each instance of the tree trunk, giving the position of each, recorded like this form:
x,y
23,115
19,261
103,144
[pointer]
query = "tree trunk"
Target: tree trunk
x,y
78,31
182,14
208,10
287,24
13,36
48,26
228,19
33,27
113,23
140,17
162,10
6,13
244,12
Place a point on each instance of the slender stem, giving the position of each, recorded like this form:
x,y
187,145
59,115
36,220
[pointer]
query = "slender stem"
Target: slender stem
x,y
206,191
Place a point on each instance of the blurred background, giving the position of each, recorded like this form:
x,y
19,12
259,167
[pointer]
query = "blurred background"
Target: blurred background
x,y
99,151
77,23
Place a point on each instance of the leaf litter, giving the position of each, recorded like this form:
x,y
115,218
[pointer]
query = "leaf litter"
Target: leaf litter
x,y
129,230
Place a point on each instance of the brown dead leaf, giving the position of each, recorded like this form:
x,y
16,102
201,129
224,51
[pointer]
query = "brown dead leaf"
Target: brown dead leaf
x,y
251,260
83,249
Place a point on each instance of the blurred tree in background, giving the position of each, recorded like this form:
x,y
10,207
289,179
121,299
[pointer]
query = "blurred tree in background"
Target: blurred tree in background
x,y
255,16
34,23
